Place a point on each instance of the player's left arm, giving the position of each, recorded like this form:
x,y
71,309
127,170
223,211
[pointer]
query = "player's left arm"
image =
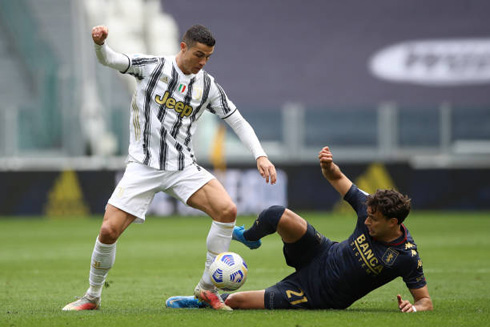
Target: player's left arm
x,y
248,137
421,300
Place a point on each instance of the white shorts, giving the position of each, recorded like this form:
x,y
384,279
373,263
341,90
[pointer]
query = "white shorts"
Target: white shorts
x,y
140,183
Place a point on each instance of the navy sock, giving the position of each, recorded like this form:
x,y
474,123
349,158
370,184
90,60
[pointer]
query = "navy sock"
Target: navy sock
x,y
265,224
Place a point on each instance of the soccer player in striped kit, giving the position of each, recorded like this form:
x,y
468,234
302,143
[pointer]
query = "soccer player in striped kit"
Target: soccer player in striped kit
x,y
171,94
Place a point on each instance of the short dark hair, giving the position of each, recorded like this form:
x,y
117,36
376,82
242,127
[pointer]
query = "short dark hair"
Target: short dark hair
x,y
391,203
198,33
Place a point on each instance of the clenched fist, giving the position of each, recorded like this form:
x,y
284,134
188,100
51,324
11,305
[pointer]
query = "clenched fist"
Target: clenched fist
x,y
99,34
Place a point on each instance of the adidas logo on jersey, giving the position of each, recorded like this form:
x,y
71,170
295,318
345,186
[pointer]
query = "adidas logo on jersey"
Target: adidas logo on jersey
x,y
180,107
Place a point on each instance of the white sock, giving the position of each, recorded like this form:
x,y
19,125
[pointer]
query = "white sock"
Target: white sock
x,y
218,241
103,258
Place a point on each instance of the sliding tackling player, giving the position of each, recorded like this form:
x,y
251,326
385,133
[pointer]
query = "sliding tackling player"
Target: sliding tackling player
x,y
331,275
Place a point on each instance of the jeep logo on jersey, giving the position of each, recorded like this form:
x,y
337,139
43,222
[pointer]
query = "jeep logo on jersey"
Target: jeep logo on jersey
x,y
179,106
435,62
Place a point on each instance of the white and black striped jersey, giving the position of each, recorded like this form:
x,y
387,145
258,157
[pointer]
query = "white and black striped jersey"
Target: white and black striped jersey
x,y
165,106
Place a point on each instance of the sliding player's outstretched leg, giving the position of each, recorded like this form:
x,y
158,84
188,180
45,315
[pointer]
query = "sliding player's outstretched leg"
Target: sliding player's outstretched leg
x,y
265,224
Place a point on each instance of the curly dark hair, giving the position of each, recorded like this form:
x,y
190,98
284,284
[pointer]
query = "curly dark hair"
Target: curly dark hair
x,y
198,33
391,203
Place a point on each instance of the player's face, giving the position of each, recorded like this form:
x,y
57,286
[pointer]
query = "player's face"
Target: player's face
x,y
378,226
195,58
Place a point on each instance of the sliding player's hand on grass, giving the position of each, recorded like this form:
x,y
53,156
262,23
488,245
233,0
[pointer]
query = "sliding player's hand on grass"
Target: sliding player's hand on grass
x,y
405,305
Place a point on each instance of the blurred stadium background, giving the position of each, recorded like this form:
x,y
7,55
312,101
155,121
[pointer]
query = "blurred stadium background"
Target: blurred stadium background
x,y
398,89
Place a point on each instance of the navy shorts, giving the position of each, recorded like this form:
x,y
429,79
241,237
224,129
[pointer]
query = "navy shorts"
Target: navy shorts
x,y
289,293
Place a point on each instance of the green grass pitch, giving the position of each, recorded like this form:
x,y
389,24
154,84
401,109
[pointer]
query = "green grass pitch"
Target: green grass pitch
x,y
44,264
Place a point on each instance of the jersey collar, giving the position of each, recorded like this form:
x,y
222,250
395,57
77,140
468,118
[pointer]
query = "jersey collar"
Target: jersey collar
x,y
402,239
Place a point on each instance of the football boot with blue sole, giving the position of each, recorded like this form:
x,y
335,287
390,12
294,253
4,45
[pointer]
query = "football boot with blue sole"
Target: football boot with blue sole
x,y
184,302
238,236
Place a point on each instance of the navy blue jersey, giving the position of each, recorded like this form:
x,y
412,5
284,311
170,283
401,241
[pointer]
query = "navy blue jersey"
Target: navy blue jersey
x,y
349,270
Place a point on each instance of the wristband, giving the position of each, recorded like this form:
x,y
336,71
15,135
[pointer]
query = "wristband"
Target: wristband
x,y
414,309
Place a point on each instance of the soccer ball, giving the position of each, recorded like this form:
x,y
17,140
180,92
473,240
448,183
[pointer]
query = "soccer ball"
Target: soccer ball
x,y
228,271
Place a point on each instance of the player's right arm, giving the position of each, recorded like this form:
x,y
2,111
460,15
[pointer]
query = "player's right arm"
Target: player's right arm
x,y
99,34
332,172
106,55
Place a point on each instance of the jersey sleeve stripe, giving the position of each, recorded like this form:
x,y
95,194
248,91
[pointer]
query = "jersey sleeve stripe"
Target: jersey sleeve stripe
x,y
224,102
129,64
231,113
144,61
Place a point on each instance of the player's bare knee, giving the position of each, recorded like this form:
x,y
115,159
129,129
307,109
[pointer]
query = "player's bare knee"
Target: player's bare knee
x,y
108,234
291,218
291,227
228,213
